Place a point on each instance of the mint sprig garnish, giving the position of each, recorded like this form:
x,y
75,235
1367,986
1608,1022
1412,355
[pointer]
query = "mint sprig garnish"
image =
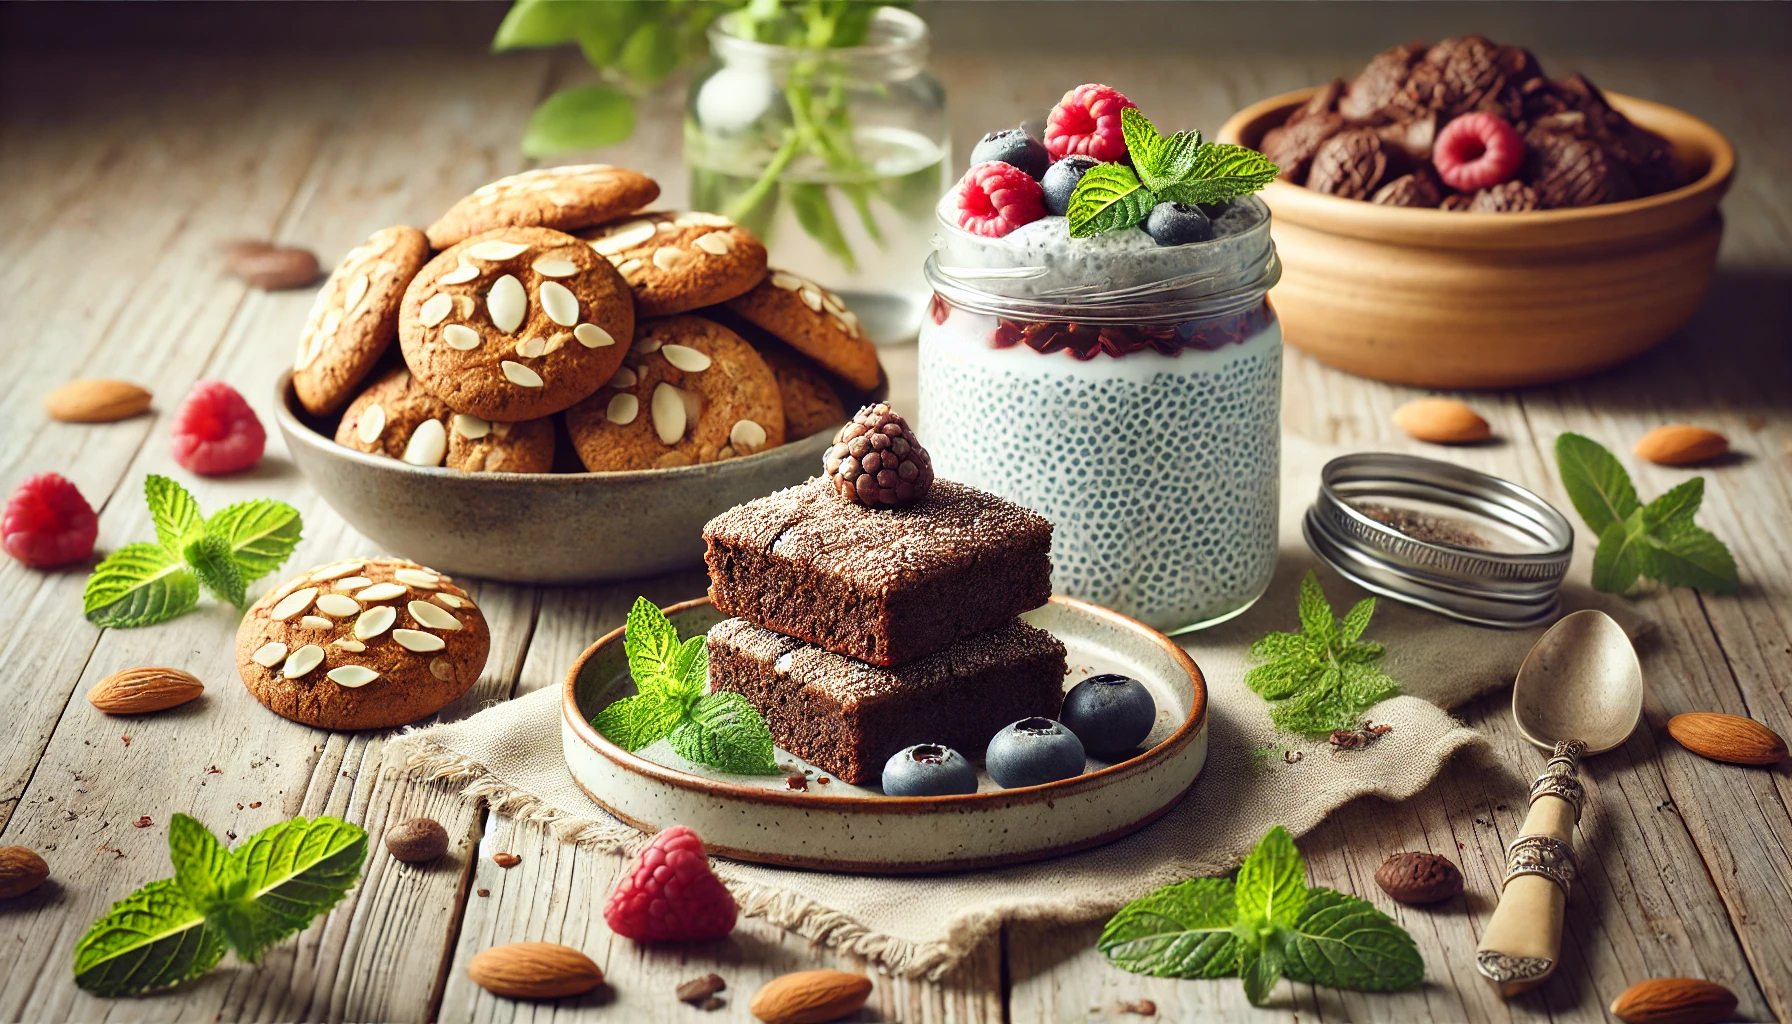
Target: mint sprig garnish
x,y
247,899
142,584
673,701
1324,677
1177,168
1262,927
1659,540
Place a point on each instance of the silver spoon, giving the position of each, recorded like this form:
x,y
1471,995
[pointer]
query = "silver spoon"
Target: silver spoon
x,y
1580,691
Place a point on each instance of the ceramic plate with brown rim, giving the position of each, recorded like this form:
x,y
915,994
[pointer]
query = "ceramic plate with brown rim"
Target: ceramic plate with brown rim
x,y
857,829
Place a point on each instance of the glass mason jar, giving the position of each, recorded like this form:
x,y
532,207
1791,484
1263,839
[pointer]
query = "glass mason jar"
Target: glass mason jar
x,y
834,157
1129,392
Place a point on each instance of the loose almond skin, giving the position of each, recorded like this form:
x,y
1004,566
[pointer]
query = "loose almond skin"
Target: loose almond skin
x,y
1674,1001
96,400
534,970
1441,421
1681,444
137,691
810,997
1730,738
21,870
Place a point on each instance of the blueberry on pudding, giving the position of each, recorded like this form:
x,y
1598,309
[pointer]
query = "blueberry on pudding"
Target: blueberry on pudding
x,y
1012,146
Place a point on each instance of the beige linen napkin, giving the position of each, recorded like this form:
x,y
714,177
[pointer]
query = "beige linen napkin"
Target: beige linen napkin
x,y
510,756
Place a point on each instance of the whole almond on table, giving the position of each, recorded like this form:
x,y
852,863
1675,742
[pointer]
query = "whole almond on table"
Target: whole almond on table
x,y
96,400
810,997
1681,444
1441,421
136,691
21,871
534,970
1674,1001
416,840
1729,738
271,267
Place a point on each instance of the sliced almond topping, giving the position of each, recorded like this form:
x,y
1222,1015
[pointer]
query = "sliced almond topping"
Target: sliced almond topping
x,y
520,375
292,604
315,622
495,249
622,409
373,421
685,358
623,378
380,592
428,444
747,436
442,669
713,220
832,302
470,427
788,282
530,348
716,243
463,305
346,644
548,266
417,640
693,405
418,578
269,654
435,309
336,570
375,621
332,320
353,583
432,616
624,237
593,336
357,290
811,297
303,660
627,267
460,337
556,341
507,303
666,226
669,257
450,600
460,275
645,345
352,676
668,414
560,304
850,326
339,606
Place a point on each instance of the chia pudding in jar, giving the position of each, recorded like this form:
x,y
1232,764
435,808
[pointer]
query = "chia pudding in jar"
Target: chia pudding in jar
x,y
1129,391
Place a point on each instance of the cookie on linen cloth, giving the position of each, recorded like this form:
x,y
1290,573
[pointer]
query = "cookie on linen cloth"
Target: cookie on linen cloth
x,y
814,321
677,262
397,418
562,198
362,644
355,317
810,402
691,391
515,324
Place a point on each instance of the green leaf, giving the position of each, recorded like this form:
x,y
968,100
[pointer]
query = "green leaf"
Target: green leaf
x,y
209,556
1160,161
1107,198
174,510
1219,171
203,868
1260,968
1315,611
261,534
607,27
690,665
1272,883
1689,556
535,23
579,117
1596,483
1344,942
295,871
1618,561
151,940
1326,676
1286,676
650,641
723,731
651,53
139,585
1356,620
1678,506
1183,930
809,201
635,722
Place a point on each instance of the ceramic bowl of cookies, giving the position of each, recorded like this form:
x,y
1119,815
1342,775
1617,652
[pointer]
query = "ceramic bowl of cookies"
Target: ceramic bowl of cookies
x,y
1597,248
551,385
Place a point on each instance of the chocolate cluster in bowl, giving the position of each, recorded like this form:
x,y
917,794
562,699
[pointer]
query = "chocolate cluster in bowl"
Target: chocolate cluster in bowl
x,y
1372,138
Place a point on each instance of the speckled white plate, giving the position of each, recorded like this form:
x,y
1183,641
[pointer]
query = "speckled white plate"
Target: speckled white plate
x,y
857,829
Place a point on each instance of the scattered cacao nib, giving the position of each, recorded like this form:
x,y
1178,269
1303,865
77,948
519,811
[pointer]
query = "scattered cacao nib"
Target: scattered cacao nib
x,y
126,739
1142,1007
142,822
698,990
1350,164
1356,739
1417,189
1506,197
824,780
1293,756
1370,92
1419,878
713,1003
506,860
1568,172
796,782
1291,147
255,805
484,892
1412,138
1085,342
1325,101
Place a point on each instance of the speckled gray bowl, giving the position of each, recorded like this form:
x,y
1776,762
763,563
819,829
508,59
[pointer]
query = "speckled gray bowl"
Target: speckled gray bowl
x,y
535,527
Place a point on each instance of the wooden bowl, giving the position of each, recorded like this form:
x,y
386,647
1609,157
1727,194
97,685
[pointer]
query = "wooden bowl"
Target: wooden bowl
x,y
1489,300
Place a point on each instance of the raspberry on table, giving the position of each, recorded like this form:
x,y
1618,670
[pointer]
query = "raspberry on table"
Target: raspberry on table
x,y
1476,151
672,894
1087,121
48,523
876,461
994,198
215,432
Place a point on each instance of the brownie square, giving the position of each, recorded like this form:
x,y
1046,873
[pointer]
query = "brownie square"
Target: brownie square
x,y
847,717
885,586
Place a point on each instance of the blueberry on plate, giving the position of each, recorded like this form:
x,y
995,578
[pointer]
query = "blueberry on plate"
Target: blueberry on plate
x,y
1112,714
1060,180
1032,752
1014,147
928,769
1177,224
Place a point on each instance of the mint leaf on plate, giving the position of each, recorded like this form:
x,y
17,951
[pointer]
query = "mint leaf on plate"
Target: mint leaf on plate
x,y
635,722
209,555
151,940
650,640
139,585
174,511
724,731
260,534
1596,482
689,667
1183,930
1217,172
1341,941
1108,197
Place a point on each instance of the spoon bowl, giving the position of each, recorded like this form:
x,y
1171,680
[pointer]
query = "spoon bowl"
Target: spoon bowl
x,y
1580,682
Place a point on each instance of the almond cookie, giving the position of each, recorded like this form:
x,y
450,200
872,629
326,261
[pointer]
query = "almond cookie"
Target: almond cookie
x,y
397,418
690,391
813,321
355,317
515,324
362,644
677,262
810,403
563,198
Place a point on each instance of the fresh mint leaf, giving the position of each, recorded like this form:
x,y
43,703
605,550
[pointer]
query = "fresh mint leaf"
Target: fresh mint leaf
x,y
1183,930
1160,160
151,940
209,557
1324,677
260,534
1356,620
295,871
650,641
1678,505
635,722
1272,883
579,117
690,666
1619,559
1260,967
1689,556
534,23
1107,198
724,731
1217,172
174,510
203,868
1596,483
1315,611
1341,941
139,585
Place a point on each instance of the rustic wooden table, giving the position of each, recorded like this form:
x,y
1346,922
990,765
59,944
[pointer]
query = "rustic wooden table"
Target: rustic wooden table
x,y
122,172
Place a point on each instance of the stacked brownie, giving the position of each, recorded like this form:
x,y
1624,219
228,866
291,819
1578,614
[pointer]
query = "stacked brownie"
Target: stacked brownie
x,y
862,631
